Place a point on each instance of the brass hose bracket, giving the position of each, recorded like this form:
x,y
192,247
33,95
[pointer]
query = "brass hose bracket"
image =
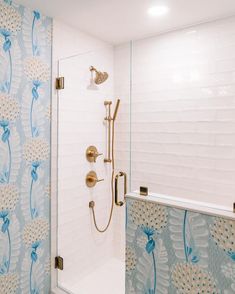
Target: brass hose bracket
x,y
91,204
107,102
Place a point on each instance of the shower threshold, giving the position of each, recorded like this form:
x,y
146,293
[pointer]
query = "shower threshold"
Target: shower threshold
x,y
106,279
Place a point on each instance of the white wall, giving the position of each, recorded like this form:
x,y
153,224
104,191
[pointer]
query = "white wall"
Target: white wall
x,y
81,113
183,113
69,41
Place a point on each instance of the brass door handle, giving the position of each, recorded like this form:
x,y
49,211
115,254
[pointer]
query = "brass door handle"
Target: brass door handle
x,y
92,179
120,174
92,153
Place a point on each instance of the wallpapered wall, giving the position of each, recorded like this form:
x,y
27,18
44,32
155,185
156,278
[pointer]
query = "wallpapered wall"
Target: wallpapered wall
x,y
25,78
178,251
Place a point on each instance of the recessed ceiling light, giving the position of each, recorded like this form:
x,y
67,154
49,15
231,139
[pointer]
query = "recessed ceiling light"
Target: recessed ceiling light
x,y
158,10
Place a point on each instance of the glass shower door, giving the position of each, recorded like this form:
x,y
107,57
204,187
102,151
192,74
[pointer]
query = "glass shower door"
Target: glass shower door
x,y
93,262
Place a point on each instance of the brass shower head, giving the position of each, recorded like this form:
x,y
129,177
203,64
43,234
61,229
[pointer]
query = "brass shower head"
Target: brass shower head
x,y
100,77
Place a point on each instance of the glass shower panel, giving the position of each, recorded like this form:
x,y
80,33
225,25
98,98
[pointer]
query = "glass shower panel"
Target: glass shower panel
x,y
181,130
91,262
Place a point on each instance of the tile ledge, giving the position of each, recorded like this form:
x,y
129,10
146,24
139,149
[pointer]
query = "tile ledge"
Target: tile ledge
x,y
182,203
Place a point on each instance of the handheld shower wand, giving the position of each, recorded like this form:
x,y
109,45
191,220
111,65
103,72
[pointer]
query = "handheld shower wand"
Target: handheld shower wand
x,y
116,109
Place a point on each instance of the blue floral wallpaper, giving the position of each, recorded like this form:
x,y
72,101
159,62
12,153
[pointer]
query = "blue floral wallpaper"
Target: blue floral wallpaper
x,y
25,103
171,250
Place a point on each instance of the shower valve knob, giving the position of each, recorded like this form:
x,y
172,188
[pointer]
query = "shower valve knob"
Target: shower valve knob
x,y
92,154
92,179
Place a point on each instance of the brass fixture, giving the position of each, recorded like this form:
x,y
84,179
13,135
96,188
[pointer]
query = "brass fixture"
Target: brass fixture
x,y
92,154
92,179
120,174
59,262
111,142
143,191
59,85
108,118
110,121
100,77
107,102
234,207
116,109
91,204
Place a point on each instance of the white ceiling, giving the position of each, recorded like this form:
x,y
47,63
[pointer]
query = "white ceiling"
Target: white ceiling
x,y
118,21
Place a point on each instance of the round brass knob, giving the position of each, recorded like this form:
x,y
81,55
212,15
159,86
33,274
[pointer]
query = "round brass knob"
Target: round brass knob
x,y
92,179
92,153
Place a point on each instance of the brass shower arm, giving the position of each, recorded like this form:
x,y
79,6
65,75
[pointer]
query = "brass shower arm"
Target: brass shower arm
x,y
92,68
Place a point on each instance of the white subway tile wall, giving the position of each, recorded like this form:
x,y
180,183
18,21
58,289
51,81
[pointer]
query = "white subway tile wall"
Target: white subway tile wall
x,y
183,113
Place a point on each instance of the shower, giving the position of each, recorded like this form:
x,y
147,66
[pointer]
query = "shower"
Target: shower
x,y
100,77
110,159
135,166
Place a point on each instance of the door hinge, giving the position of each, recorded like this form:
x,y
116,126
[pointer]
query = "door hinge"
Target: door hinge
x,y
234,207
59,262
59,83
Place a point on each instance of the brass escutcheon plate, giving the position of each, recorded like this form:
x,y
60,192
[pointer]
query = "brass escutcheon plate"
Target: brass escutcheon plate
x,y
92,179
92,153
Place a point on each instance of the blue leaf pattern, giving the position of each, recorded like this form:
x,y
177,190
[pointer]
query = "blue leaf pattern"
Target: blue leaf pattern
x,y
188,241
5,135
4,176
35,132
24,28
37,15
150,246
7,45
34,174
4,267
34,256
5,225
35,93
